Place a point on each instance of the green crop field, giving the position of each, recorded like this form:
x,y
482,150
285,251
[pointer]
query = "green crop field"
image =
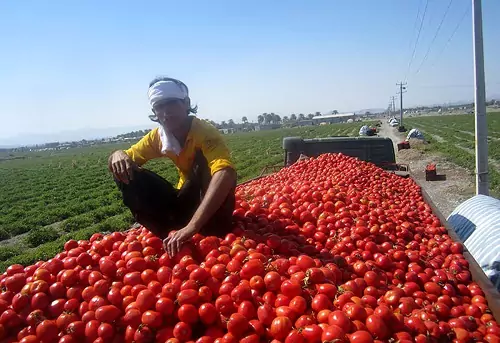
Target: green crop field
x,y
453,136
50,197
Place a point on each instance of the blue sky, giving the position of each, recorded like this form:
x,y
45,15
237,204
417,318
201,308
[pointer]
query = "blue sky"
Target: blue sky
x,y
70,65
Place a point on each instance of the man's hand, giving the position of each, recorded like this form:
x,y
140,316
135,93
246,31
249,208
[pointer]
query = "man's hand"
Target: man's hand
x,y
174,242
121,166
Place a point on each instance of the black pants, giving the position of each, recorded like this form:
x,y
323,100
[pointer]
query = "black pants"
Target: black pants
x,y
158,206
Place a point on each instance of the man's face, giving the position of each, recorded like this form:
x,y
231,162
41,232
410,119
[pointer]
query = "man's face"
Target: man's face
x,y
171,113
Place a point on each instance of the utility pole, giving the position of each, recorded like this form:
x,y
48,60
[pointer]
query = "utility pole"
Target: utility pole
x,y
482,182
402,89
393,104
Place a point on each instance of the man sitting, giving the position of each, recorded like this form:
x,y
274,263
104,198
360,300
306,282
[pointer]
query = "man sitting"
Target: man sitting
x,y
204,198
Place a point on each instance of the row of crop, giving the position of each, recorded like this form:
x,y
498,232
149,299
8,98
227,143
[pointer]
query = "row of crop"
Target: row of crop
x,y
41,235
29,193
57,206
29,190
81,196
456,150
462,122
50,249
459,123
56,212
15,224
93,217
459,137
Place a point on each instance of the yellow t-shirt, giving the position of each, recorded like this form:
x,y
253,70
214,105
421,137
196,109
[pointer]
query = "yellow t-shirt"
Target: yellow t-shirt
x,y
202,135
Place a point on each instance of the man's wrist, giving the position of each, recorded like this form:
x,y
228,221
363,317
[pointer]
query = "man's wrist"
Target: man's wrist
x,y
194,226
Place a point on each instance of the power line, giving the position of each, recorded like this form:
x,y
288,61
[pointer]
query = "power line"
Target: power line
x,y
435,36
416,20
418,37
453,34
454,86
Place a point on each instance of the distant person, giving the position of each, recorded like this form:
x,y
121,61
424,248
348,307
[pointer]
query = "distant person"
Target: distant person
x,y
204,199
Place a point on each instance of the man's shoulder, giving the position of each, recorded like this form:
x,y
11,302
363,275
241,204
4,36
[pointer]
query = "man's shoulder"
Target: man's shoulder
x,y
208,135
153,134
154,131
204,128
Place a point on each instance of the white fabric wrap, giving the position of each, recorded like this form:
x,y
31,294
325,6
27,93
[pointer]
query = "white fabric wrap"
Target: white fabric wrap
x,y
414,133
364,130
164,90
168,142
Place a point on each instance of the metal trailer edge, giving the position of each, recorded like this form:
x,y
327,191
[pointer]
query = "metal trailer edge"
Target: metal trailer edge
x,y
491,293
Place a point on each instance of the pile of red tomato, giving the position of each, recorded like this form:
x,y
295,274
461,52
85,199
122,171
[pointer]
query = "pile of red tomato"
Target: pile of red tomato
x,y
328,250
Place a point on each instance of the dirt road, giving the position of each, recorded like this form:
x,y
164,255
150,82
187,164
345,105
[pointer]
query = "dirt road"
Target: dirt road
x,y
446,194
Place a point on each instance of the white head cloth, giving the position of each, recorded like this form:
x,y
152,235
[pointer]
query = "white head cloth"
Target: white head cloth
x,y
166,90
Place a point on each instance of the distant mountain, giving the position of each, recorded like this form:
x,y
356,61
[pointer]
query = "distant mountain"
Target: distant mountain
x,y
68,136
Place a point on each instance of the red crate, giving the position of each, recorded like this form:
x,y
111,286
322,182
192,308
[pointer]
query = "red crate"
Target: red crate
x,y
431,172
403,145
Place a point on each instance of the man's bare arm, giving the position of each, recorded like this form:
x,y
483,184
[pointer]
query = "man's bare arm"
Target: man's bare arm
x,y
220,185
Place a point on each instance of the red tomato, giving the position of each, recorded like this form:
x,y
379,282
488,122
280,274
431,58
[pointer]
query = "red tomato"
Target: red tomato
x,y
377,327
105,331
182,331
153,319
15,282
361,337
107,313
47,331
280,327
237,325
146,300
188,313
332,333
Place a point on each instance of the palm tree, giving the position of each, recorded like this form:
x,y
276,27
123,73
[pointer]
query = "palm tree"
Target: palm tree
x,y
260,119
310,116
302,116
244,120
268,118
223,124
277,119
335,112
293,117
317,114
285,119
230,123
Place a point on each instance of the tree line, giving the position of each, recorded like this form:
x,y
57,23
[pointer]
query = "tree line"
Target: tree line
x,y
267,119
